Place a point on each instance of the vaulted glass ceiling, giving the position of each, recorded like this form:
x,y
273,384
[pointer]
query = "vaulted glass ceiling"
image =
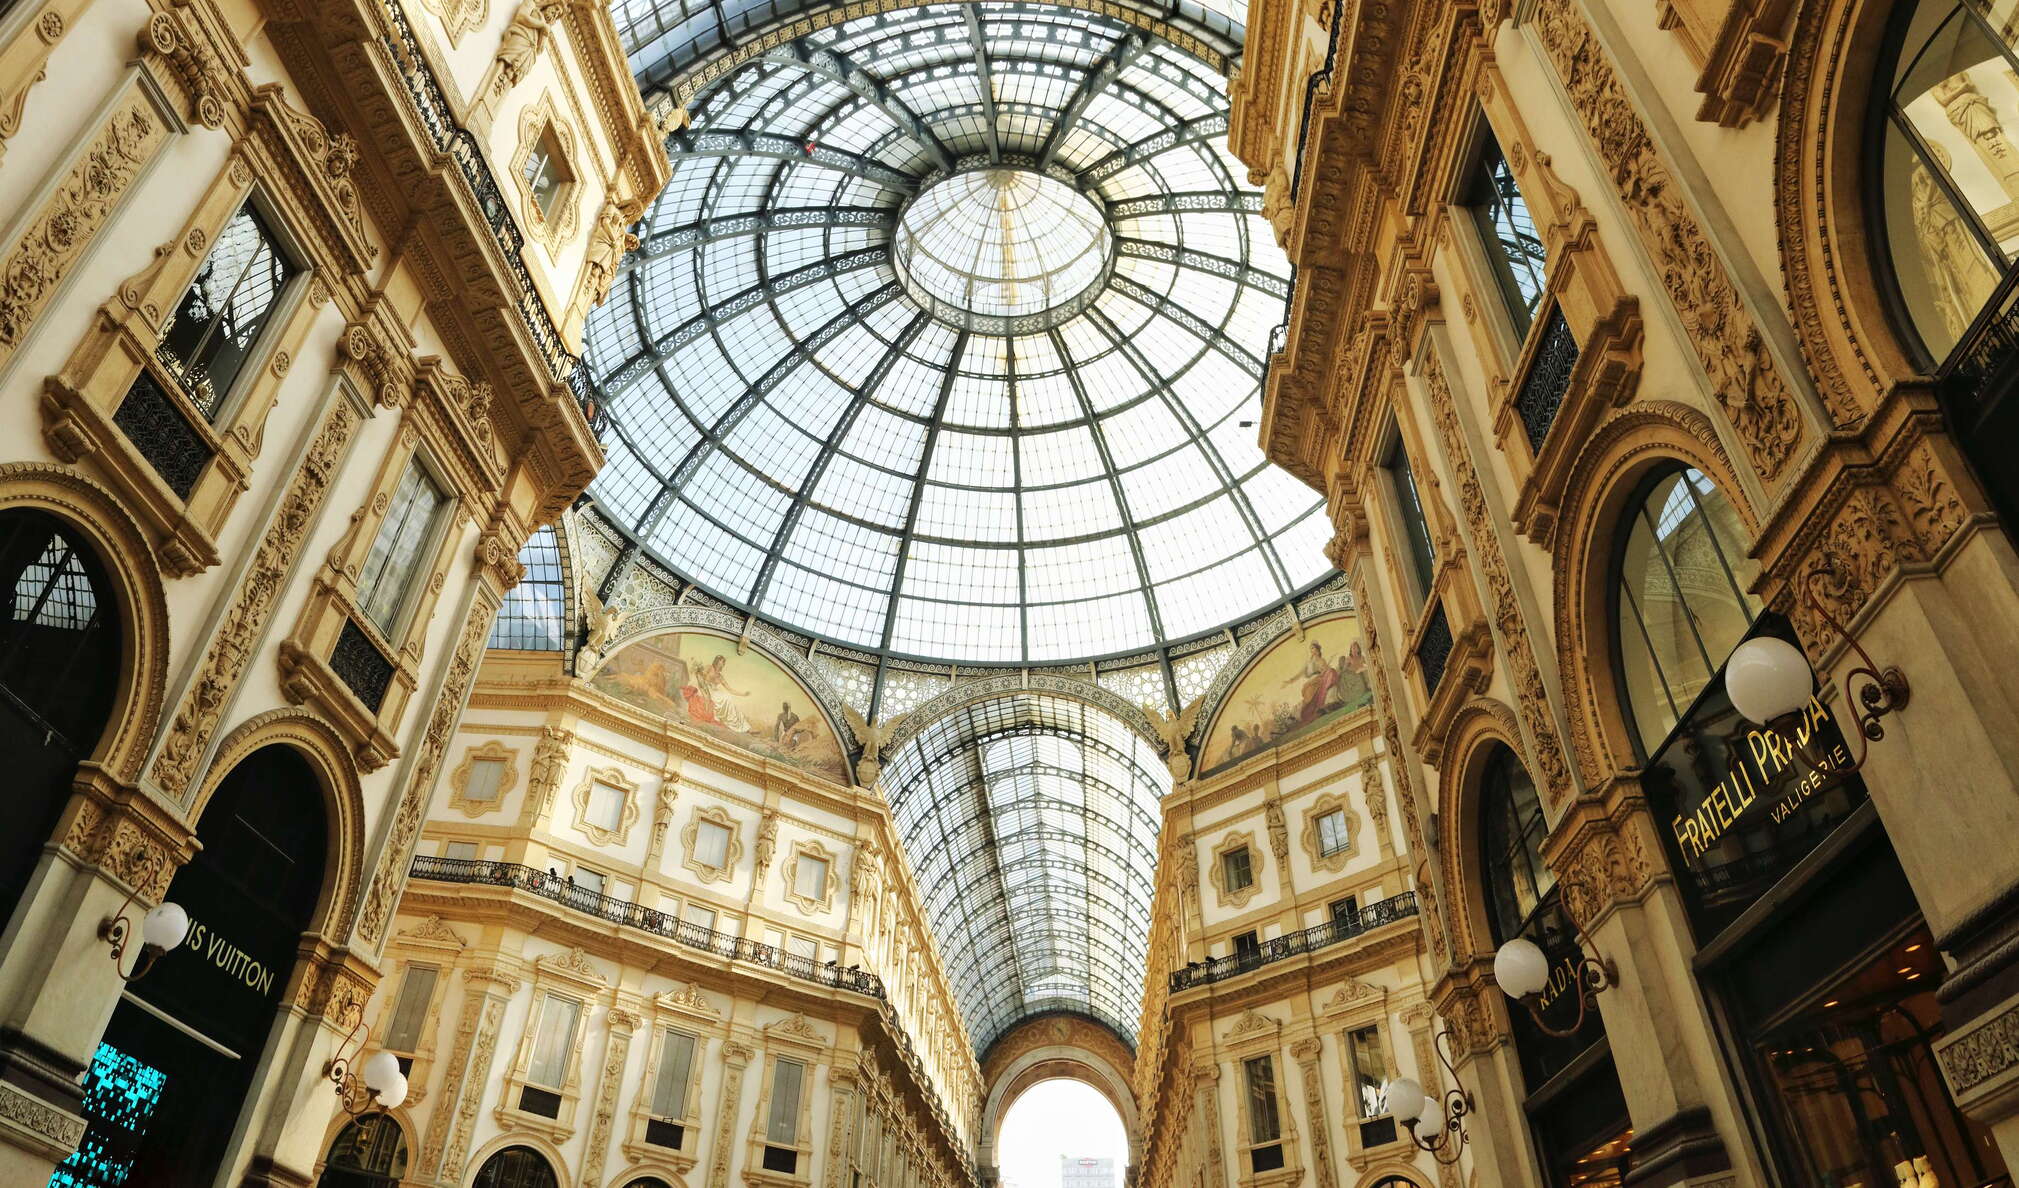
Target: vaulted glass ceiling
x,y
945,341
1031,822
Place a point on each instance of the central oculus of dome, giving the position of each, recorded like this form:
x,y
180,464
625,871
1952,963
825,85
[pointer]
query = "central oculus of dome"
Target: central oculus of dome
x,y
1001,249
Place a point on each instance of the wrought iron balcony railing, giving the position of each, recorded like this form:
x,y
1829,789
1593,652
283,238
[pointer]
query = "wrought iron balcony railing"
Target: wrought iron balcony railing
x,y
1433,651
617,911
1277,948
1548,379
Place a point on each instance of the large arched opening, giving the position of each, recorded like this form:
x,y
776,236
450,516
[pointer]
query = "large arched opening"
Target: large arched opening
x,y
1039,1069
1061,1131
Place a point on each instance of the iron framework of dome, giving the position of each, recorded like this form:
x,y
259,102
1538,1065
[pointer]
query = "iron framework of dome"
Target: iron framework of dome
x,y
945,342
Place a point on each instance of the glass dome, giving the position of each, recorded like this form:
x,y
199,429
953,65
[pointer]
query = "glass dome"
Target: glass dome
x,y
946,340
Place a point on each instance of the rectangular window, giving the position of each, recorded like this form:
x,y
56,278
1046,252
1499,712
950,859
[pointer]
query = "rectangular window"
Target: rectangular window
x,y
1247,944
711,844
1370,1070
1345,912
553,1041
546,170
1332,836
606,806
1415,527
676,1067
591,881
782,1126
463,851
699,916
1240,870
1263,1125
485,777
221,315
1513,250
809,877
416,989
398,552
803,947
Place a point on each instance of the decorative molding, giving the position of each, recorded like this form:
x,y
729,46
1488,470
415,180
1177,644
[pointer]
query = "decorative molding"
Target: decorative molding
x,y
690,836
555,226
690,999
795,1027
574,964
811,849
433,930
1252,1022
627,813
1245,839
55,1128
1310,837
1353,992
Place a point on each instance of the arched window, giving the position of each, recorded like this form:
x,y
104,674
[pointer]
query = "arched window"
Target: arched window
x,y
648,1182
1947,173
516,1167
369,1153
59,677
1680,600
1511,834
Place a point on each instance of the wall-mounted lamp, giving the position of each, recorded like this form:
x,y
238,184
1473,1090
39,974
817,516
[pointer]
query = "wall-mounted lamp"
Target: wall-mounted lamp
x,y
379,1084
1770,682
161,929
1522,970
1411,1106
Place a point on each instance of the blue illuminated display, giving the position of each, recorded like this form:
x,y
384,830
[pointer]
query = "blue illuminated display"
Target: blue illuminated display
x,y
120,1096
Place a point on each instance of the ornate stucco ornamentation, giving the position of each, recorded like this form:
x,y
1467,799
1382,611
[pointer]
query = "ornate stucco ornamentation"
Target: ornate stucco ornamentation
x,y
627,811
1237,897
459,779
690,838
622,1024
433,929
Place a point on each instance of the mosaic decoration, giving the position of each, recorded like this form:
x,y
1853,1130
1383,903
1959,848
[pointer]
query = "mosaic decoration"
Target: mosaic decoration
x,y
1298,685
743,698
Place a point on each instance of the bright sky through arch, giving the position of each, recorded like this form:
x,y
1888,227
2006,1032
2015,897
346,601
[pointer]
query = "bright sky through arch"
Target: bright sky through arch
x,y
1055,1118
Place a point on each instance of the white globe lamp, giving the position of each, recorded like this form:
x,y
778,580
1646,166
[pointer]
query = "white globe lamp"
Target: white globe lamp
x,y
164,927
1406,1101
1520,968
1768,678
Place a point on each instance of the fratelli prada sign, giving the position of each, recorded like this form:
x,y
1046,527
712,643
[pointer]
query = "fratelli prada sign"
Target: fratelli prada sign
x,y
1769,777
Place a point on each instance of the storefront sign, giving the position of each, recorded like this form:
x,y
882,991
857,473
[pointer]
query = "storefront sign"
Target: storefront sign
x,y
1767,776
235,963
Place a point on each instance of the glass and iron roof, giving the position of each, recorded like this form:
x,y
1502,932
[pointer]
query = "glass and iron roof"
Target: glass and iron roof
x,y
945,341
1031,822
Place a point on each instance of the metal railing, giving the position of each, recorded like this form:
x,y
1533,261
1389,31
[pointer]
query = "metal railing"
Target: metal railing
x,y
1542,390
1277,948
564,892
1433,651
457,142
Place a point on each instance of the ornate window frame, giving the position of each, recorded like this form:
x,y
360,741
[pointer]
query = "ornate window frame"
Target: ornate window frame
x,y
792,1038
1324,806
1253,1035
627,816
1243,839
555,225
567,975
459,779
810,848
685,1010
690,835
429,942
333,619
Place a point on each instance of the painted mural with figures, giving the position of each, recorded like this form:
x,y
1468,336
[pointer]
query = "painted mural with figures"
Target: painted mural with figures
x,y
1297,685
743,698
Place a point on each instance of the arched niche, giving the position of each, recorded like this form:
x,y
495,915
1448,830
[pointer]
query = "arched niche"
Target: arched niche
x,y
740,694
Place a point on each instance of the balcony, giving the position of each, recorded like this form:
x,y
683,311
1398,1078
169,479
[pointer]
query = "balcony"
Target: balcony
x,y
721,944
1277,948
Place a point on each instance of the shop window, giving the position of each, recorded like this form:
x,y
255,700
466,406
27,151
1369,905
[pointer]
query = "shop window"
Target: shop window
x,y
60,645
400,551
1248,947
1265,1127
1237,869
1516,878
410,1011
223,312
1514,251
667,1127
1420,553
515,1167
1680,595
546,171
1332,834
369,1153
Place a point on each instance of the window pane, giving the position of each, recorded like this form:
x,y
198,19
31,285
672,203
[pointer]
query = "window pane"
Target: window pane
x,y
1332,836
1239,873
588,880
482,783
415,991
1262,1124
699,916
1370,1070
395,557
811,878
1513,249
1415,530
606,806
786,1077
460,850
711,844
225,308
800,946
554,1040
676,1064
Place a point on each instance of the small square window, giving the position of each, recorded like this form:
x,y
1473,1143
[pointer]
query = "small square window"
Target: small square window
x,y
546,170
700,917
711,844
1238,869
592,881
1247,944
486,776
809,877
462,851
606,806
1345,912
804,948
1332,835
